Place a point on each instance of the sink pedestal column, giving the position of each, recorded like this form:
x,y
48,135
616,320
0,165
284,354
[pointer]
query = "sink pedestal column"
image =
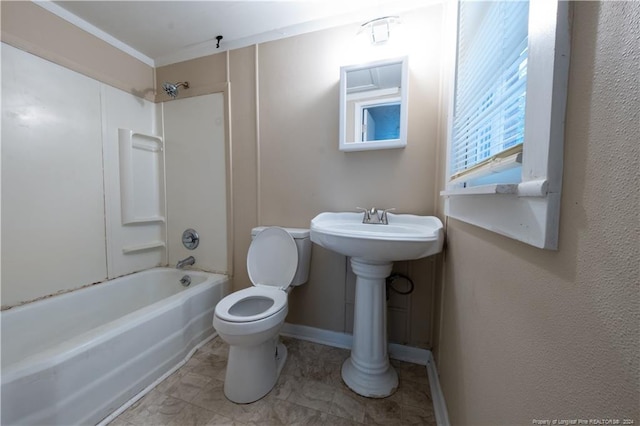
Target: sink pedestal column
x,y
368,372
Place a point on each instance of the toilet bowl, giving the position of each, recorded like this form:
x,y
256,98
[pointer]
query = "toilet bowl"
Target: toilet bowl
x,y
249,320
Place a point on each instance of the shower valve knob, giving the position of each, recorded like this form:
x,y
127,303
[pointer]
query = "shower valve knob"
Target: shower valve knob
x,y
190,239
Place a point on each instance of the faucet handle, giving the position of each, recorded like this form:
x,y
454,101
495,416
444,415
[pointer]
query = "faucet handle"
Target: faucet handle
x,y
383,218
367,215
190,239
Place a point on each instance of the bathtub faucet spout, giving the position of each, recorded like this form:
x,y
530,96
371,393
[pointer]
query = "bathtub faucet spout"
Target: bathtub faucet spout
x,y
186,262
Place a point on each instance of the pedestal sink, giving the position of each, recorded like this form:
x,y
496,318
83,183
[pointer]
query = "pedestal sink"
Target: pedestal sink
x,y
373,248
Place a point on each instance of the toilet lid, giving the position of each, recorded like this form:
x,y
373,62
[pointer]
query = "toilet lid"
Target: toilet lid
x,y
273,258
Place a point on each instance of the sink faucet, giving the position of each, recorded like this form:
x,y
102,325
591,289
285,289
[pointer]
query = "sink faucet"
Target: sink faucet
x,y
186,262
374,217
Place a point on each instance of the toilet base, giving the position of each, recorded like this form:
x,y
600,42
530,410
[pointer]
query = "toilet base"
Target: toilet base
x,y
252,371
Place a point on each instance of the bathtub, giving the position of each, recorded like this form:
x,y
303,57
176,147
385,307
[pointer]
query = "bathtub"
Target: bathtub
x,y
75,358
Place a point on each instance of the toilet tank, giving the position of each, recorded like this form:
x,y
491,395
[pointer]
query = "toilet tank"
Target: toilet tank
x,y
303,242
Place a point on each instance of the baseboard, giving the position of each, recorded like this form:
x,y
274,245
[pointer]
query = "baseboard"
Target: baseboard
x,y
317,335
399,352
437,397
343,340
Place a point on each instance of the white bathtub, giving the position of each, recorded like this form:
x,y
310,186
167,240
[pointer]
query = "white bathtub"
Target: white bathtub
x,y
75,358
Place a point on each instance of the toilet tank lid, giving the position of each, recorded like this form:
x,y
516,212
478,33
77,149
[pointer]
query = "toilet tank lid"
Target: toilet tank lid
x,y
294,232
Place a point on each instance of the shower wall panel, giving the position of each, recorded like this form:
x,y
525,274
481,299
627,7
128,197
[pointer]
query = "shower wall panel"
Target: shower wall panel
x,y
53,230
196,179
138,242
61,219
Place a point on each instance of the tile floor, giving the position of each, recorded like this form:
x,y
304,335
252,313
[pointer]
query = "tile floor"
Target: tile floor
x,y
308,392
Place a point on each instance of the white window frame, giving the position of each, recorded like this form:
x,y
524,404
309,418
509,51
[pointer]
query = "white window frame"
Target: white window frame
x,y
528,211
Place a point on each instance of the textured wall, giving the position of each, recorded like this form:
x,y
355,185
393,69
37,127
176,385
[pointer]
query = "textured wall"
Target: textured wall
x,y
532,334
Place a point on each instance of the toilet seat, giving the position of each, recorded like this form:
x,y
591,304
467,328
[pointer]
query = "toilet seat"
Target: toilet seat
x,y
272,261
234,302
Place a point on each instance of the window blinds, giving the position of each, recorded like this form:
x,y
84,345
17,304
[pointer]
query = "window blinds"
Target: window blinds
x,y
491,76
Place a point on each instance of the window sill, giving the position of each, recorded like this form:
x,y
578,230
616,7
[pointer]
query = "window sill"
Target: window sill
x,y
524,216
535,188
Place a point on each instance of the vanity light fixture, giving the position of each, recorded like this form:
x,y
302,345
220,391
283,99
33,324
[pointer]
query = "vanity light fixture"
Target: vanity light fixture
x,y
379,29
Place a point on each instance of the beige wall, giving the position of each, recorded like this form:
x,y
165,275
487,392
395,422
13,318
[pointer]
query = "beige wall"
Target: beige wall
x,y
244,163
37,31
285,163
532,334
205,75
302,172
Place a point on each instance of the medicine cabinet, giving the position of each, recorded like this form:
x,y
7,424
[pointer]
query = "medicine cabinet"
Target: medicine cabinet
x,y
373,105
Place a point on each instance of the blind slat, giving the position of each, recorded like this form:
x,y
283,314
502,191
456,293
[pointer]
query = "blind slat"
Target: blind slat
x,y
484,81
490,81
513,94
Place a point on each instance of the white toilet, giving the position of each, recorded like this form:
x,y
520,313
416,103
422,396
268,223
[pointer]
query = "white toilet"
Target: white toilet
x,y
249,320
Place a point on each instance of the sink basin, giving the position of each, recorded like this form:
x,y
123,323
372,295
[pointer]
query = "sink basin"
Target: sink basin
x,y
406,236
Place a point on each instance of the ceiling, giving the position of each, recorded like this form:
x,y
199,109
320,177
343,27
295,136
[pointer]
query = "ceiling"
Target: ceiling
x,y
164,32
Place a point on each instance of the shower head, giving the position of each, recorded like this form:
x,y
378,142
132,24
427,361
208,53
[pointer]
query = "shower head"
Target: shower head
x,y
172,88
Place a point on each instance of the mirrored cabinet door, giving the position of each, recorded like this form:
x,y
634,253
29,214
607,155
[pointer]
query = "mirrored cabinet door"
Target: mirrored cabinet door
x,y
373,105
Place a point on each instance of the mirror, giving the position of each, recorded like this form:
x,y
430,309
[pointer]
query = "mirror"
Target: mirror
x,y
373,105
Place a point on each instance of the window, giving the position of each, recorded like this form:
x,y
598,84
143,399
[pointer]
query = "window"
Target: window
x,y
377,120
491,77
504,170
